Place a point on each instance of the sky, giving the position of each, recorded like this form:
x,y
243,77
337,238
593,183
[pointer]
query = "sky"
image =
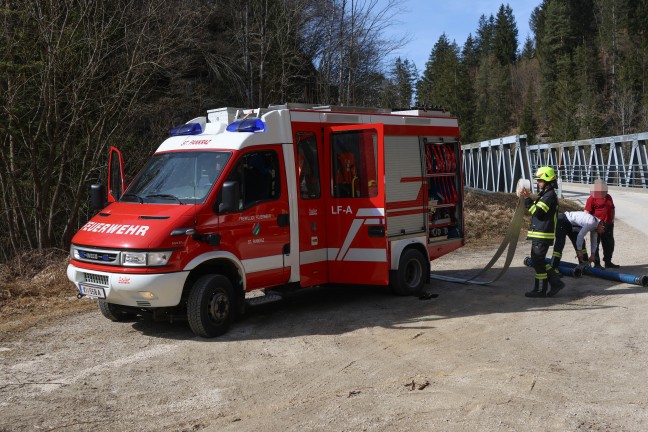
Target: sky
x,y
424,21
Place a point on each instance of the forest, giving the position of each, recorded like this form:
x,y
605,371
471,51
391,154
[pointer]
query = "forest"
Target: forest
x,y
80,76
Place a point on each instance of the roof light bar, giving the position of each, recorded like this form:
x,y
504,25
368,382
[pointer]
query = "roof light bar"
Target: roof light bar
x,y
186,129
247,125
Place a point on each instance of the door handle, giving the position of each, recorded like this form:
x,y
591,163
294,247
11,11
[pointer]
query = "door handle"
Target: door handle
x,y
283,220
376,230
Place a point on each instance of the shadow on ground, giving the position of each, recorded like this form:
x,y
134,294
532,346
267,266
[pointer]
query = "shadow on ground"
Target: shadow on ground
x,y
339,310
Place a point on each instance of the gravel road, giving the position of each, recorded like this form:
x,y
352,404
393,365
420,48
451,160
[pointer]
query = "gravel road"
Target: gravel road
x,y
473,358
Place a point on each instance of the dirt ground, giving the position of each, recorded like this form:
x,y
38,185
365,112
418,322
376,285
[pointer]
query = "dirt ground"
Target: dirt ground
x,y
474,358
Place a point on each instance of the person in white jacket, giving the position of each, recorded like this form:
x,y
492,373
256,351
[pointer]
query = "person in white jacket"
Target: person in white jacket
x,y
576,225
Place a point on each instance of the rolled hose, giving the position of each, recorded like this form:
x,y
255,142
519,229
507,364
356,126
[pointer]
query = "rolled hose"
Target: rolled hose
x,y
609,275
574,272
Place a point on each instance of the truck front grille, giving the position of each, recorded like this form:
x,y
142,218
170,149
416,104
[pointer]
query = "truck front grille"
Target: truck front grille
x,y
97,256
96,279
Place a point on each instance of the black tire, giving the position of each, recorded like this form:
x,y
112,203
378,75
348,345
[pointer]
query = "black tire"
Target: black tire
x,y
211,306
115,313
410,276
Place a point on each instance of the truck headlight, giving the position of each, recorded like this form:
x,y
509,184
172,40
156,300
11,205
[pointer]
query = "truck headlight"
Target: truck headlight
x,y
158,258
137,259
144,259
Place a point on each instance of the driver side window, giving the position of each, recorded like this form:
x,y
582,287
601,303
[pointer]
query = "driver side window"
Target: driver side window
x,y
257,174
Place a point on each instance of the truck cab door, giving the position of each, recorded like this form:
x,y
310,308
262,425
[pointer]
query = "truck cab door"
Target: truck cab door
x,y
258,230
116,182
311,205
356,224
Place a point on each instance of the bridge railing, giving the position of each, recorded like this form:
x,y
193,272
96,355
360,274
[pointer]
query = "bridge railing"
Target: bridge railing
x,y
496,165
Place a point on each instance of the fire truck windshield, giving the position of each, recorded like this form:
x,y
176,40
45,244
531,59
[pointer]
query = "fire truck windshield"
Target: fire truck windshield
x,y
177,178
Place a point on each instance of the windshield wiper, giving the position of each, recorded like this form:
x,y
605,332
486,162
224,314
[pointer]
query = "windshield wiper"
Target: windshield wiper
x,y
169,196
139,198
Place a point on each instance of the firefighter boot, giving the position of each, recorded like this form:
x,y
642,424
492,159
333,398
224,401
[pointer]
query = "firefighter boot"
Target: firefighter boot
x,y
555,262
537,291
555,283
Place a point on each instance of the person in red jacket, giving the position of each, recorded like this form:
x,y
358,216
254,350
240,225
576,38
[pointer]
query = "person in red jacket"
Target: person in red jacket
x,y
600,204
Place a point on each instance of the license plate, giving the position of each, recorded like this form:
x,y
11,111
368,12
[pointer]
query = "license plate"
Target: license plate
x,y
92,291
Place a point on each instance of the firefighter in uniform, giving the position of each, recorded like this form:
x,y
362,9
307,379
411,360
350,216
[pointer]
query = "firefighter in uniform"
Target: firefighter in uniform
x,y
544,211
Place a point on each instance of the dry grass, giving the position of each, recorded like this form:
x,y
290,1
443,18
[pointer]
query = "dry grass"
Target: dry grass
x,y
34,285
488,216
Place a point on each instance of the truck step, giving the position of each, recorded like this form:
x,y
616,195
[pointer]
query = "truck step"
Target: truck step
x,y
263,299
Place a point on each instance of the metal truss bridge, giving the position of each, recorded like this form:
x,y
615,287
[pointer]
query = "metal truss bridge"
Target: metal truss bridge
x,y
497,165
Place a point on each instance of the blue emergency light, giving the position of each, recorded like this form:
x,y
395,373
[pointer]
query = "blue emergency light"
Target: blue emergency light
x,y
186,129
247,125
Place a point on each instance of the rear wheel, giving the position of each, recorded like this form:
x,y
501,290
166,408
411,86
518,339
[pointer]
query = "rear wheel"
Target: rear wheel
x,y
115,313
410,276
210,306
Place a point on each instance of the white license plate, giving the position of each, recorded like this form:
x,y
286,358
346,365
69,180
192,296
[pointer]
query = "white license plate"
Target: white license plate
x,y
92,291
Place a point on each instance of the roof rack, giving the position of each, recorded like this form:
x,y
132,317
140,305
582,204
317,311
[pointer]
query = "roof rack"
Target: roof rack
x,y
227,115
331,108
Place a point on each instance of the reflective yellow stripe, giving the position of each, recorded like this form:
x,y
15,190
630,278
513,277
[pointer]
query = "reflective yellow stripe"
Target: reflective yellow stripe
x,y
541,276
541,235
557,254
532,209
543,206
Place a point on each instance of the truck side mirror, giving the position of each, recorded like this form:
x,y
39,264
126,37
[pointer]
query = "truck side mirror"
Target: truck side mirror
x,y
230,196
97,197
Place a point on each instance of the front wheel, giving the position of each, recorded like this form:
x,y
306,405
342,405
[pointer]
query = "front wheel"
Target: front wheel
x,y
210,306
410,276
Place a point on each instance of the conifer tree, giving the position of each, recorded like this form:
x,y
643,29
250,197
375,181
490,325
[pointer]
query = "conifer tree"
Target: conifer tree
x,y
493,98
528,50
505,36
485,34
438,85
528,123
589,104
467,100
638,52
400,85
470,54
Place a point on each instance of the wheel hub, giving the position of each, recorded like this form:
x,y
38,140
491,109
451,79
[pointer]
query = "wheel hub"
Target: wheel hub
x,y
218,307
413,273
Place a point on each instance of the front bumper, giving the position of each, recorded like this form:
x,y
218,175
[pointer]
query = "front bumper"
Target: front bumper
x,y
138,290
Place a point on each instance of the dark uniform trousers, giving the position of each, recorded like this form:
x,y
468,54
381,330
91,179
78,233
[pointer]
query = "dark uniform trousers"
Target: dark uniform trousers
x,y
607,242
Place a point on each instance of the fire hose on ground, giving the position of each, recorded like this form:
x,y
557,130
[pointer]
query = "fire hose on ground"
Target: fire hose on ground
x,y
570,269
574,270
509,243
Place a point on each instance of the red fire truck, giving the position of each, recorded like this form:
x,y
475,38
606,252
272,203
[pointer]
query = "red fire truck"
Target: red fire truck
x,y
271,200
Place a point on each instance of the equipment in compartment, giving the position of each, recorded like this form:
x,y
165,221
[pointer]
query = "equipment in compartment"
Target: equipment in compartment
x,y
443,222
443,195
443,190
440,158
